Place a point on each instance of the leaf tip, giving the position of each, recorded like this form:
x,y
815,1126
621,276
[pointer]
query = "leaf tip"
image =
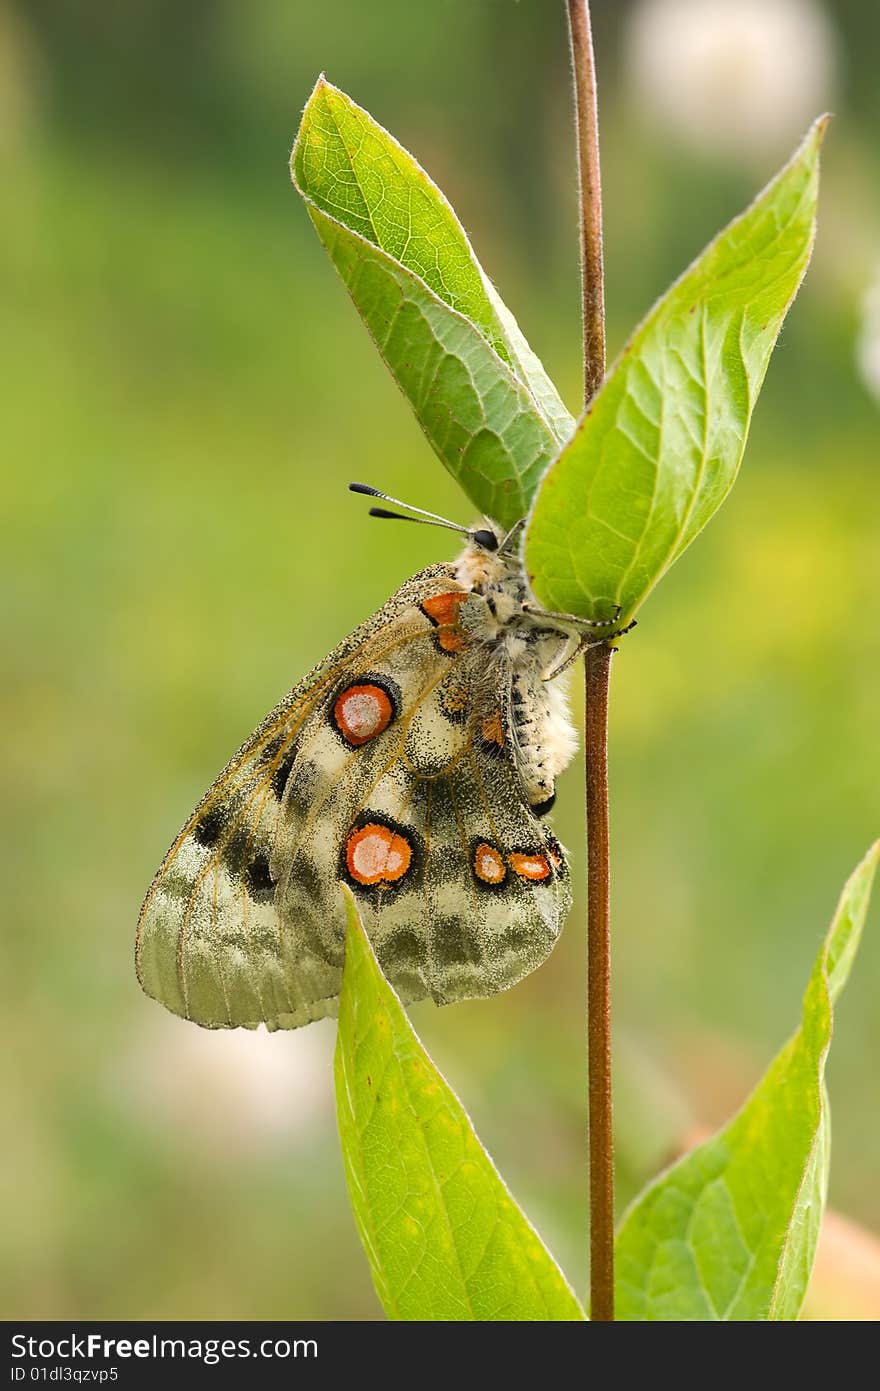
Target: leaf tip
x,y
804,158
318,93
352,916
321,86
866,867
809,148
872,859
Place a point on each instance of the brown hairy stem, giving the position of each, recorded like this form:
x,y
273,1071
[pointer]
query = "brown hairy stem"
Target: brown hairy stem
x,y
597,668
590,195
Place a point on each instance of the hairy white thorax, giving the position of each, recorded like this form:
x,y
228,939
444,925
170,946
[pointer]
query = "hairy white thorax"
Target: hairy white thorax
x,y
521,650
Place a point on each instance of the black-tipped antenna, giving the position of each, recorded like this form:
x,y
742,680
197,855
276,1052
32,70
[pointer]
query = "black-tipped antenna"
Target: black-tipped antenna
x,y
392,516
487,539
425,518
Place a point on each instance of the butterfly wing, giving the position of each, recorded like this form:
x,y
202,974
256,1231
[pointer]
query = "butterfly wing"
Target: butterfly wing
x,y
211,944
392,767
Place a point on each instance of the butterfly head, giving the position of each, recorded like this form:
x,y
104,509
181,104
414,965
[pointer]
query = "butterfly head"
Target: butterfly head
x,y
490,557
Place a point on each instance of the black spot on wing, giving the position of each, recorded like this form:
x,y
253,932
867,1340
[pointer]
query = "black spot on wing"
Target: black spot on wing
x,y
237,853
282,773
207,830
258,878
542,808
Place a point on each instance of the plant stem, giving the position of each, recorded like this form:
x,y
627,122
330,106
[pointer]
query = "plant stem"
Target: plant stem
x,y
597,669
590,195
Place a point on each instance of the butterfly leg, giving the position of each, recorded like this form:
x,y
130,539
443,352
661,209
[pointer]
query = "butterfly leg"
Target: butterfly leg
x,y
571,619
575,646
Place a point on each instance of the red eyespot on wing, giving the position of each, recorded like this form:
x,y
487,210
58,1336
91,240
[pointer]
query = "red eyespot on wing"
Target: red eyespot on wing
x,y
533,867
375,854
442,610
362,712
489,867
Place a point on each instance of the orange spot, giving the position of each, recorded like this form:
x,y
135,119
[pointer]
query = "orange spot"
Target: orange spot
x,y
376,855
555,857
488,864
532,867
493,731
442,610
362,712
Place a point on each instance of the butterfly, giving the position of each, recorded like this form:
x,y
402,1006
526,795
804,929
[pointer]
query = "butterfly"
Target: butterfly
x,y
416,764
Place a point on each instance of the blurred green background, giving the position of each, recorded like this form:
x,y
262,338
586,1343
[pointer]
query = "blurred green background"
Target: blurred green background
x,y
186,392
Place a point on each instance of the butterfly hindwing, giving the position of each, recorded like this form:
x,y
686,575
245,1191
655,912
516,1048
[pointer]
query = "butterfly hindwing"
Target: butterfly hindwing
x,y
461,887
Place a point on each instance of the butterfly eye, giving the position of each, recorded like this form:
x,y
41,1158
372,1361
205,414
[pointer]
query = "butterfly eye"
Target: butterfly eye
x,y
487,539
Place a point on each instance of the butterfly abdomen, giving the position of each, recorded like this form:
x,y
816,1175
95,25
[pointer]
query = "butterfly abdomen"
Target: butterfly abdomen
x,y
543,736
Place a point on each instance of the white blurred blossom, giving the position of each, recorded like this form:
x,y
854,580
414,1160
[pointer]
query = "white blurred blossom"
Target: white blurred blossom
x,y
239,1089
731,77
868,350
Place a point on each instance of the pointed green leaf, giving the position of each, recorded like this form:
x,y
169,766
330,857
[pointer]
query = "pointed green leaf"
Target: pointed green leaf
x,y
661,444
443,1236
730,1231
478,391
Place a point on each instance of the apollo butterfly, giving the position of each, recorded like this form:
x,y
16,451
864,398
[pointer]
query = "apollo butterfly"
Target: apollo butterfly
x,y
415,764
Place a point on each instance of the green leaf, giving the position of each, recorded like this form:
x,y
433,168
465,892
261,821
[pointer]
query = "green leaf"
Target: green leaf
x,y
661,444
444,1238
480,394
730,1231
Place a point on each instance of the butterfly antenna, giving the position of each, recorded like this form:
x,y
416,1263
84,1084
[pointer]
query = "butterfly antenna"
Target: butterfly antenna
x,y
426,518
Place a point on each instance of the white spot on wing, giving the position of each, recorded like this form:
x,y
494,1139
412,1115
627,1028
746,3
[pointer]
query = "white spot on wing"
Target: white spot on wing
x,y
362,714
371,856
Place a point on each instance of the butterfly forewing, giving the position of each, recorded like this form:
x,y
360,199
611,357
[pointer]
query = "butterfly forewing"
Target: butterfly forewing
x,y
211,944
